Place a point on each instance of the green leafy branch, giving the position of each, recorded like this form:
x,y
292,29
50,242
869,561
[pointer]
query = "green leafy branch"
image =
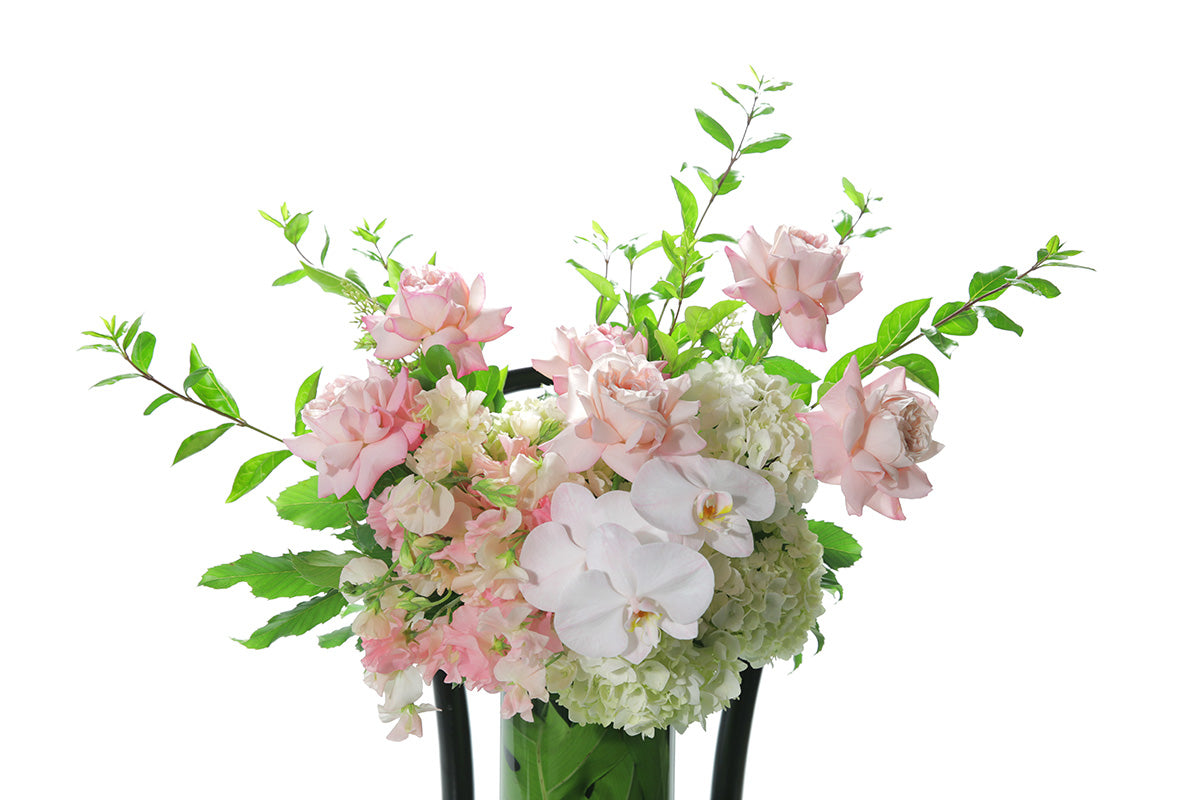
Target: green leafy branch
x,y
845,224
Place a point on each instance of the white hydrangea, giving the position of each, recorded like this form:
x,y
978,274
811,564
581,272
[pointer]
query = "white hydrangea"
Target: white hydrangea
x,y
749,417
681,682
770,599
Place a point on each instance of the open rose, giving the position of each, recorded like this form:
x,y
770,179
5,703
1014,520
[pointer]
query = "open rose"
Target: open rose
x,y
436,307
870,439
573,350
797,278
360,430
623,411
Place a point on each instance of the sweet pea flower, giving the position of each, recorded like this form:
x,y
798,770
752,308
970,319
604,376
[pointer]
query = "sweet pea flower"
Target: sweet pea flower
x,y
573,350
417,505
629,593
797,278
360,430
434,307
703,500
401,692
623,410
870,439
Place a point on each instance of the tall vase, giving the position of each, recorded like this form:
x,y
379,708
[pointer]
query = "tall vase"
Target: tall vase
x,y
552,758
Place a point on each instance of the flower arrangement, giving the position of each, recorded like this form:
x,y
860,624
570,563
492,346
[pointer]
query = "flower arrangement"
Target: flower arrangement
x,y
628,542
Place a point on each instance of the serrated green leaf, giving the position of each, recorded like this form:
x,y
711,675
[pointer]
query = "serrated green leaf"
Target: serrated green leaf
x,y
900,323
198,441
291,277
293,622
269,577
143,351
687,204
156,402
984,283
789,370
1000,320
210,390
335,638
299,504
841,549
856,197
305,395
773,142
322,567
115,379
295,228
965,323
255,471
919,369
714,129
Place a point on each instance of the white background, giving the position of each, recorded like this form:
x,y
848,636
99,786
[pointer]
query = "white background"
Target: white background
x,y
1028,632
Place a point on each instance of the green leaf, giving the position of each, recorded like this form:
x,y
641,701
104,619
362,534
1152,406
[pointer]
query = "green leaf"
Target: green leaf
x,y
944,344
305,395
725,92
156,402
764,333
773,142
599,231
198,441
143,351
1000,320
788,369
209,389
844,225
291,277
133,329
270,219
299,504
855,195
438,361
601,284
714,129
106,348
712,342
716,237
1039,286
335,638
1066,264
255,471
919,368
115,379
334,284
293,622
322,567
325,249
668,346
984,283
295,228
865,355
841,549
900,323
195,377
687,204
267,576
873,232
964,324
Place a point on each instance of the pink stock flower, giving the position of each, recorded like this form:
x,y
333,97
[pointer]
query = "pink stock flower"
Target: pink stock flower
x,y
623,411
796,278
360,430
436,307
870,440
574,350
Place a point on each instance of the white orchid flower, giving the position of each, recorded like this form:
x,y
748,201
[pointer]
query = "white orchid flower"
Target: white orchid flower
x,y
707,498
629,592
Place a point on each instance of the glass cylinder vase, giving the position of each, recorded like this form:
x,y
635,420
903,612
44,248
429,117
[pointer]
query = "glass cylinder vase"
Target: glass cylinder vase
x,y
552,758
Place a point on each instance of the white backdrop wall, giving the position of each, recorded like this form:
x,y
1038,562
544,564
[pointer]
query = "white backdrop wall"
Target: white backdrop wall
x,y
1029,631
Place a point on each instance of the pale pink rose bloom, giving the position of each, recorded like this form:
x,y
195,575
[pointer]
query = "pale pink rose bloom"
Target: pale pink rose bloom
x,y
360,430
870,439
435,307
703,500
573,350
797,278
624,411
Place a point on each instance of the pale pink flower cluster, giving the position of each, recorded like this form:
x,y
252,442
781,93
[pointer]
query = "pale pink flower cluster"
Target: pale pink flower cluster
x,y
575,350
360,430
870,439
623,411
798,278
433,307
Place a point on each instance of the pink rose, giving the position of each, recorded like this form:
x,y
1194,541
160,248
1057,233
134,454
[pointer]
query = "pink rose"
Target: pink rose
x,y
436,307
798,276
580,351
870,440
360,430
623,411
